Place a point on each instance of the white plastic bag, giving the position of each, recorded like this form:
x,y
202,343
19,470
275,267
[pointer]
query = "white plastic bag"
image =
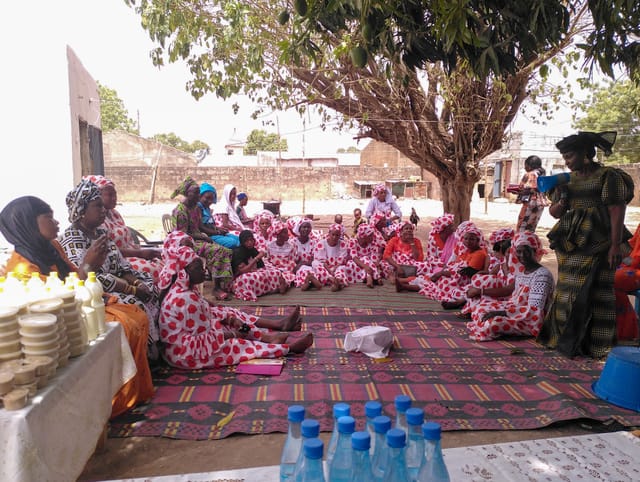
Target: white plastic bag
x,y
373,341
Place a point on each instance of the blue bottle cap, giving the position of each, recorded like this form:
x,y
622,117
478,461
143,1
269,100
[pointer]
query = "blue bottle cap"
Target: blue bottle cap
x,y
381,424
295,413
415,416
310,428
431,430
402,403
341,410
346,424
360,440
396,438
313,448
372,409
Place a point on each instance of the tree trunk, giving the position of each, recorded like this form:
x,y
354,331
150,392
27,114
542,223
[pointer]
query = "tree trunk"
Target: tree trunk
x,y
456,196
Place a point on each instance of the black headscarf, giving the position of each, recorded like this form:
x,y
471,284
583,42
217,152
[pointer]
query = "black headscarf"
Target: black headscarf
x,y
588,141
19,225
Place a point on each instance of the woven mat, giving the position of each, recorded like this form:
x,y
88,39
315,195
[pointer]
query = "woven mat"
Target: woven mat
x,y
463,385
353,296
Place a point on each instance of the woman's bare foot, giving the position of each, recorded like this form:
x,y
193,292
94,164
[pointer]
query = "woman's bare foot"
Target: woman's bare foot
x,y
292,322
369,281
301,344
306,285
278,338
284,286
379,281
316,283
336,285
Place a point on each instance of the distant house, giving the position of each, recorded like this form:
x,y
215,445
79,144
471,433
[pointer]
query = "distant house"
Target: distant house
x,y
235,149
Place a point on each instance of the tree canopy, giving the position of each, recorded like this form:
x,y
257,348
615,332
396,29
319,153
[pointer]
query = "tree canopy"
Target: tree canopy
x,y
113,114
176,141
615,107
260,140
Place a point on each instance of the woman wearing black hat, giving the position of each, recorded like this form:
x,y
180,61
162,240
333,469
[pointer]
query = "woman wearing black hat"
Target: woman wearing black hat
x,y
589,240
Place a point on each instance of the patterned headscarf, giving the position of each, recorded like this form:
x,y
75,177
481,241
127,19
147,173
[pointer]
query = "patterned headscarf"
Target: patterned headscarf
x,y
296,227
100,181
439,223
206,187
400,225
172,242
532,240
379,188
336,227
183,187
277,226
264,214
174,265
79,198
376,218
365,230
501,234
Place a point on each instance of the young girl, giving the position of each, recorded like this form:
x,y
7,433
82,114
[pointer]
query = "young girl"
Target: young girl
x,y
533,201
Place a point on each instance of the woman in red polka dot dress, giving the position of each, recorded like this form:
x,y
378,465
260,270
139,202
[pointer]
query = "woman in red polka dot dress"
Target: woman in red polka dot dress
x,y
262,229
305,243
281,254
198,335
143,260
522,313
330,257
364,264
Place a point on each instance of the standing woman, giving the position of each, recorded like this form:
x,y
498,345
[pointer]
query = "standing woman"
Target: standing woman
x,y
589,240
187,218
533,201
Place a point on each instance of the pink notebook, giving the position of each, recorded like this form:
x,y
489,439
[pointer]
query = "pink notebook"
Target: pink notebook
x,y
260,366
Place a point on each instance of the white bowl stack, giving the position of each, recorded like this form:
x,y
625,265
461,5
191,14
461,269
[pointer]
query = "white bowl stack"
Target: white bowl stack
x,y
10,347
54,306
75,326
39,335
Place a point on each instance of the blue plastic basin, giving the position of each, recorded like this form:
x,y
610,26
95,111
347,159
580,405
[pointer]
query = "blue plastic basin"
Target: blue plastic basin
x,y
619,381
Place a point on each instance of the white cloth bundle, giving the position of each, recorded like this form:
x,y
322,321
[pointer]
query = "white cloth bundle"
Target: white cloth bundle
x,y
373,341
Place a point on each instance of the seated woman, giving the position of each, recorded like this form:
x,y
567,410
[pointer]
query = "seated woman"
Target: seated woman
x,y
627,280
198,335
28,224
144,260
217,234
440,242
243,199
364,264
382,202
225,211
252,277
86,214
262,229
330,256
281,254
187,218
404,253
302,229
383,233
529,297
449,285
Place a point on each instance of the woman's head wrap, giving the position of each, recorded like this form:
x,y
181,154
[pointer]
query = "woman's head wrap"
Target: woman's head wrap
x,y
588,141
172,242
264,214
399,226
501,234
379,188
277,226
206,187
174,265
183,187
532,240
376,218
241,196
296,227
79,198
365,230
336,227
441,222
100,181
19,226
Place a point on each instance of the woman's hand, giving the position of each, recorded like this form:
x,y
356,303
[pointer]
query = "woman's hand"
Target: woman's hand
x,y
143,292
473,292
492,314
97,253
151,253
614,256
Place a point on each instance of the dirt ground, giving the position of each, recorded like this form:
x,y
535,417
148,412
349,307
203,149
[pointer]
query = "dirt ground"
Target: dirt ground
x,y
147,456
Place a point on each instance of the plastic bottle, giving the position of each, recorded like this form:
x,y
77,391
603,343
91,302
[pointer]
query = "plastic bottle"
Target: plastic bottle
x,y
309,428
396,470
84,296
372,409
97,303
312,469
339,410
293,442
340,467
402,404
54,285
381,425
433,468
414,452
35,288
14,289
361,460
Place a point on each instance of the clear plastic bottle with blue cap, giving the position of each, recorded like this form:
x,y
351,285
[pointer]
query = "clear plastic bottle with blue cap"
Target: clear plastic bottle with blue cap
x,y
381,425
339,410
309,428
339,469
361,459
372,409
402,404
414,452
313,470
396,470
433,468
293,442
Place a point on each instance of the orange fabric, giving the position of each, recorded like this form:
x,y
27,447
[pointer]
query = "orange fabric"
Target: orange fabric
x,y
635,248
439,241
395,244
475,259
135,323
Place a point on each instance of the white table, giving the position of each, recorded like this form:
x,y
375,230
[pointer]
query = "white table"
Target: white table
x,y
605,457
52,438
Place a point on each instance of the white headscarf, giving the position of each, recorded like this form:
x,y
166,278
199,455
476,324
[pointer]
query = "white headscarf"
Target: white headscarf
x,y
225,207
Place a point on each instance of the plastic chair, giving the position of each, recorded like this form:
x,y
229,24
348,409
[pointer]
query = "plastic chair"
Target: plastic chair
x,y
167,223
140,239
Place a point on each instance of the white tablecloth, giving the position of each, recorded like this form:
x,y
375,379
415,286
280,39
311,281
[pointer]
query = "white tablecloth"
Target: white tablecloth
x,y
52,438
605,457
